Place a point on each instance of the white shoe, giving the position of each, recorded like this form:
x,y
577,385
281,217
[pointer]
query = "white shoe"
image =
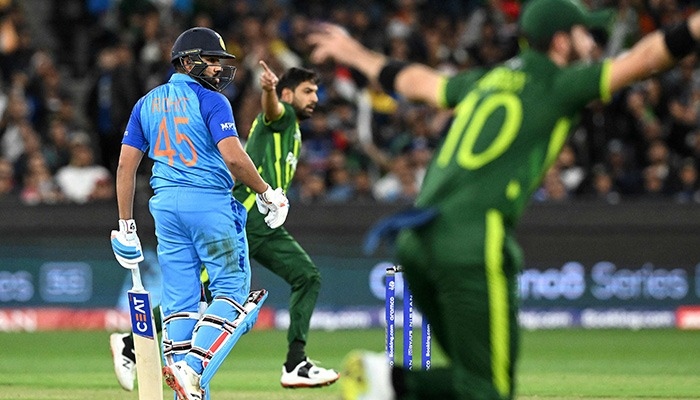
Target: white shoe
x,y
124,366
366,376
307,375
183,380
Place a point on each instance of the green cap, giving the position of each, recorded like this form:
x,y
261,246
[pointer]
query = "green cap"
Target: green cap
x,y
541,19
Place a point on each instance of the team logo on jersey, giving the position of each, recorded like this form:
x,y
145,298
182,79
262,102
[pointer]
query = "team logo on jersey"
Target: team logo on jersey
x,y
228,126
292,160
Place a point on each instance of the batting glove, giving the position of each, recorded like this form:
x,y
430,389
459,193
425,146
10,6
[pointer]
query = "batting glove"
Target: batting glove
x,y
126,244
275,204
261,202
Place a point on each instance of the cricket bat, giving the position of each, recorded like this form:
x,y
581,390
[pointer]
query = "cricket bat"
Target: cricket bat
x,y
146,347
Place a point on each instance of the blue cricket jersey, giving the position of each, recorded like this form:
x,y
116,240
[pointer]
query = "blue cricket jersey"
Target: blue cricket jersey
x,y
179,125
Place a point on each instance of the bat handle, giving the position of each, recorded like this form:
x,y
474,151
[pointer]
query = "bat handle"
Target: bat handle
x,y
136,278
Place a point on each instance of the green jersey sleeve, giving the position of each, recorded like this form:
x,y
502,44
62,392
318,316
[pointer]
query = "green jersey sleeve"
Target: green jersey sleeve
x,y
274,148
452,90
283,121
580,84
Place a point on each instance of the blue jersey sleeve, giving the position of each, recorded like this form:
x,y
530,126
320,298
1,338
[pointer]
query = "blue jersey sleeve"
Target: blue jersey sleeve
x,y
133,134
218,115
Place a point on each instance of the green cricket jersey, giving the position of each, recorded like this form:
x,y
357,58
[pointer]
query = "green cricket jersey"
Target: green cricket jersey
x,y
274,148
510,123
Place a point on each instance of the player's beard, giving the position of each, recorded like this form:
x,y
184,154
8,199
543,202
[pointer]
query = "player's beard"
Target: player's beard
x,y
302,112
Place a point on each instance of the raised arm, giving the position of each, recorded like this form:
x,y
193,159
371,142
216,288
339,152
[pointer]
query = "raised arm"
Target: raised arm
x,y
413,81
655,52
271,106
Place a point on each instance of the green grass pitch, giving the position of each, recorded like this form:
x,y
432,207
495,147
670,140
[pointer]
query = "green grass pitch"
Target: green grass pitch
x,y
554,364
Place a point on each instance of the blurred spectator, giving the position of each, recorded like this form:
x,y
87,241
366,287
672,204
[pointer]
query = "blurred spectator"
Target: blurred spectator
x,y
693,143
399,184
7,178
552,189
151,44
440,44
46,91
298,26
340,185
626,178
31,143
114,89
69,21
82,180
648,123
493,24
655,178
318,140
146,24
57,150
39,186
16,114
362,187
313,189
88,50
570,172
300,175
625,30
660,170
687,187
602,186
420,153
342,120
683,103
339,180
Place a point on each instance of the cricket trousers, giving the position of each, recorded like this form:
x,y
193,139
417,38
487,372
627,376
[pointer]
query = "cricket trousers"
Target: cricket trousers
x,y
471,306
279,252
196,227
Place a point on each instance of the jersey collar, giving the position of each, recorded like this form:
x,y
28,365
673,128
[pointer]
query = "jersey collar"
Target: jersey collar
x,y
545,64
180,77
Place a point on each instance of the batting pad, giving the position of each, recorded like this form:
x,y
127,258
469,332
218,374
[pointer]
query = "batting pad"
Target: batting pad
x,y
220,328
177,335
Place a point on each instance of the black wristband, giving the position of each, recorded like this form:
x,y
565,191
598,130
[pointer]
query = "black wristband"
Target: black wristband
x,y
679,41
387,75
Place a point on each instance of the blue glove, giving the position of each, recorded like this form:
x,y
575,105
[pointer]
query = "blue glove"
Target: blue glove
x,y
126,244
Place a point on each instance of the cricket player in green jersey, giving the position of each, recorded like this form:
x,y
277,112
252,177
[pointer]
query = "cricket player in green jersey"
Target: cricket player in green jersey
x,y
274,144
510,122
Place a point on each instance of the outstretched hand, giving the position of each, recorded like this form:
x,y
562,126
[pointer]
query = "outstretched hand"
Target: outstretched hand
x,y
331,42
268,79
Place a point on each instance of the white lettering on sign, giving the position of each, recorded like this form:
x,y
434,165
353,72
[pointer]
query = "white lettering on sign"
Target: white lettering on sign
x,y
568,282
646,282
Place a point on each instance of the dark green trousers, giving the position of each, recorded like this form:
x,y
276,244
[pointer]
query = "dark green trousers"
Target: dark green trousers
x,y
279,252
472,307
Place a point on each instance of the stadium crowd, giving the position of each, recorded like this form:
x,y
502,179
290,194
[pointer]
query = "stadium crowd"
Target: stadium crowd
x,y
63,107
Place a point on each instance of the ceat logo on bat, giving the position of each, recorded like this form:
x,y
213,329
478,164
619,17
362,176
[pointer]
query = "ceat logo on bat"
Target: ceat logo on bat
x,y
141,315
